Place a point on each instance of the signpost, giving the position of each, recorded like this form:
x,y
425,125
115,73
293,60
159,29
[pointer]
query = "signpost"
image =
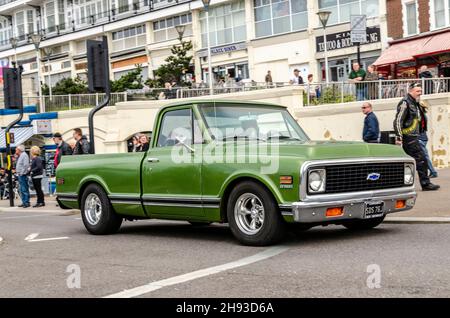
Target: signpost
x,y
358,25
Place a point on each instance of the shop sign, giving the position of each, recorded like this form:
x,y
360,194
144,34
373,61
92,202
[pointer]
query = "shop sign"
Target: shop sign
x,y
42,127
342,40
223,49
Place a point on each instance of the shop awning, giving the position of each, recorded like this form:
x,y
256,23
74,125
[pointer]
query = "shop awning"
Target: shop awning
x,y
21,134
408,50
401,52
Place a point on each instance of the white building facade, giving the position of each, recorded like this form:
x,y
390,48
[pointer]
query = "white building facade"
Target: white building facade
x,y
248,37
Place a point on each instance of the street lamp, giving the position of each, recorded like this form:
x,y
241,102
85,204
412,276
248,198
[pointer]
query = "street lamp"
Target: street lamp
x,y
210,79
180,30
323,17
14,42
36,39
48,51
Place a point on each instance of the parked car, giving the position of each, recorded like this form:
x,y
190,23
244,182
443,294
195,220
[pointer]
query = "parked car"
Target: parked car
x,y
247,164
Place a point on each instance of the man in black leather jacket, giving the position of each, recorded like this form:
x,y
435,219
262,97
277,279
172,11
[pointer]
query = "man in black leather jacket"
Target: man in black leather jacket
x,y
409,122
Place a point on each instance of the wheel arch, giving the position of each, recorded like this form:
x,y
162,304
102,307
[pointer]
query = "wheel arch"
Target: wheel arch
x,y
232,182
87,182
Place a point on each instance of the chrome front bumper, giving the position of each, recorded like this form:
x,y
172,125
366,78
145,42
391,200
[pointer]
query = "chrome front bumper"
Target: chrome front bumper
x,y
314,212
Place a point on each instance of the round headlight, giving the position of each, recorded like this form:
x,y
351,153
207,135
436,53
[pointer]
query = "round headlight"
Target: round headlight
x,y
409,174
316,181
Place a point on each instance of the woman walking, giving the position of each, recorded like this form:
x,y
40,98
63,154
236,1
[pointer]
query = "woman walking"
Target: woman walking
x,y
37,173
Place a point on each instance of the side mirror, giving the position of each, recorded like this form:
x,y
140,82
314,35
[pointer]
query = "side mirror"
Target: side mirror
x,y
181,142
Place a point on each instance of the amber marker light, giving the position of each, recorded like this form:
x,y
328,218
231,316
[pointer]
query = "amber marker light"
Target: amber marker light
x,y
332,212
400,204
286,180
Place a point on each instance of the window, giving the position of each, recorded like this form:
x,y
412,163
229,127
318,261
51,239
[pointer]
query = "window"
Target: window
x,y
129,38
20,25
441,14
341,10
226,24
88,12
5,32
164,30
410,18
61,14
175,125
50,14
280,16
123,6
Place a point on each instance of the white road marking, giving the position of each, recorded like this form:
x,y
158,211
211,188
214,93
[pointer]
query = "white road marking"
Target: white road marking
x,y
1,240
273,251
50,239
32,236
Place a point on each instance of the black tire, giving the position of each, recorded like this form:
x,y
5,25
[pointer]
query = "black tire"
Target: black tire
x,y
194,223
271,230
357,225
108,222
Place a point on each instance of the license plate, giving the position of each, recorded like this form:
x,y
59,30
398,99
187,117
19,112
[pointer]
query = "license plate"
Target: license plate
x,y
373,210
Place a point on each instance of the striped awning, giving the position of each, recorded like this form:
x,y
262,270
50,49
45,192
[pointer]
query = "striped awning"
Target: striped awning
x,y
410,49
21,134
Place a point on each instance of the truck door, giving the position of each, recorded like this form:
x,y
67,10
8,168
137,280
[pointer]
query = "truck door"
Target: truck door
x,y
171,179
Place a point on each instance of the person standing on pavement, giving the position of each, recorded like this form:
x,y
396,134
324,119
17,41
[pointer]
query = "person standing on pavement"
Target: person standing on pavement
x,y
62,148
423,140
22,169
268,78
37,173
371,130
358,75
409,123
82,146
297,79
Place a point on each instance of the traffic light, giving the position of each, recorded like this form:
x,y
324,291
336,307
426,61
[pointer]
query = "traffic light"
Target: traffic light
x,y
98,65
12,88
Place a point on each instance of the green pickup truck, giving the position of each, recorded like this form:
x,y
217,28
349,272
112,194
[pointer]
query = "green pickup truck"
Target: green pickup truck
x,y
247,164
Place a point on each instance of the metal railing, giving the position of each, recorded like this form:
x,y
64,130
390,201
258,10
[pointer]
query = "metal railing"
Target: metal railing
x,y
78,101
342,92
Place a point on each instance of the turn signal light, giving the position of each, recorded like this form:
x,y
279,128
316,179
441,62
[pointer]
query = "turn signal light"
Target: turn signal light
x,y
334,212
400,204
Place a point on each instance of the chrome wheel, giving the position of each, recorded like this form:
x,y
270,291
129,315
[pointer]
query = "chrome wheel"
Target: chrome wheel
x,y
249,213
93,209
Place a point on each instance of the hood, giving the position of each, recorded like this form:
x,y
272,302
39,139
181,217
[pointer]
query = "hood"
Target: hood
x,y
322,150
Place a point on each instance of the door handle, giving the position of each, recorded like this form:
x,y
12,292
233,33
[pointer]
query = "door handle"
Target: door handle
x,y
152,159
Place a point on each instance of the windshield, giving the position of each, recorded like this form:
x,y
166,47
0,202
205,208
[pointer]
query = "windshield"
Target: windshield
x,y
251,122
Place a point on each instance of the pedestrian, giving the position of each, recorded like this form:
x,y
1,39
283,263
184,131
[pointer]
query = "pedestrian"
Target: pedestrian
x,y
3,181
37,173
312,89
82,146
62,148
22,169
358,75
428,82
423,140
408,125
371,130
134,145
297,79
268,79
372,86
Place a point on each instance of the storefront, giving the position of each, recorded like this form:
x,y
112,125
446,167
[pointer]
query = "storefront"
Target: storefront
x,y
404,57
342,53
228,60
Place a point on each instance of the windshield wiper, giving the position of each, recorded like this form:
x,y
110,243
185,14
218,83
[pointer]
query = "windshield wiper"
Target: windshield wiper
x,y
236,137
283,137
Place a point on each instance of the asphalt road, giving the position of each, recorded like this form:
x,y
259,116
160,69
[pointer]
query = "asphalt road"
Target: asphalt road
x,y
163,259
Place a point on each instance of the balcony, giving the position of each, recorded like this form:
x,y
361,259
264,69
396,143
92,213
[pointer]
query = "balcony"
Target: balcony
x,y
8,6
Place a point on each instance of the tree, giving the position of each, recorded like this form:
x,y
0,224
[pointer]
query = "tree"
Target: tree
x,y
131,80
67,86
176,66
